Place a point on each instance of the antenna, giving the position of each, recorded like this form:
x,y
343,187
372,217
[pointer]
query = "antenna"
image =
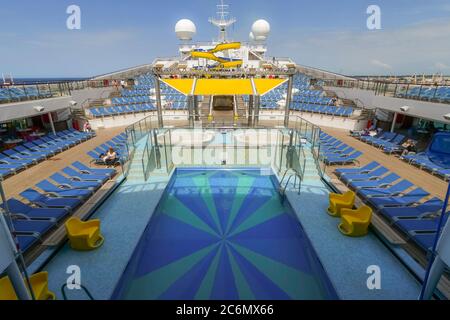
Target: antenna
x,y
223,21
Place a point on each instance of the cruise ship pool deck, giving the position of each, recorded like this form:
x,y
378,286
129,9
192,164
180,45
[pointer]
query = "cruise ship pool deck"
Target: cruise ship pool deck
x,y
227,234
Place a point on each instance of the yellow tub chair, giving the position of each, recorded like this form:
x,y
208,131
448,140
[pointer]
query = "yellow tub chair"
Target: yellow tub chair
x,y
84,236
340,201
355,223
39,283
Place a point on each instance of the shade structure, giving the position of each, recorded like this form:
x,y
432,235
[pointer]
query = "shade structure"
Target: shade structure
x,y
224,86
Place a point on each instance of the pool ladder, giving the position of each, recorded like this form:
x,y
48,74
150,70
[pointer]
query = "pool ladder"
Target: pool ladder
x,y
296,175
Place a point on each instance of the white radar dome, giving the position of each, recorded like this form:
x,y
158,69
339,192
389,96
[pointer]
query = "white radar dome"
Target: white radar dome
x,y
251,36
261,30
185,29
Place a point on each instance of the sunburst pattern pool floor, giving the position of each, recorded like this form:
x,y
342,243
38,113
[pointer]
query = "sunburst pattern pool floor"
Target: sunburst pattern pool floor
x,y
224,234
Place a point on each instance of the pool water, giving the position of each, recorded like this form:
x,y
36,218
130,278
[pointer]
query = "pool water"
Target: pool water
x,y
224,234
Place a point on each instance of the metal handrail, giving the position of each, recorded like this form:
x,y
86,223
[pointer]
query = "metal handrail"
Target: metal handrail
x,y
296,175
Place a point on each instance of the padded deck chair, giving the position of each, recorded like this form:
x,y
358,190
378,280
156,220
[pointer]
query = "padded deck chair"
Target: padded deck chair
x,y
50,202
19,163
24,211
45,146
420,225
375,174
85,169
375,183
78,176
391,191
408,199
63,192
63,181
433,205
366,169
5,173
36,228
351,158
18,156
424,240
25,151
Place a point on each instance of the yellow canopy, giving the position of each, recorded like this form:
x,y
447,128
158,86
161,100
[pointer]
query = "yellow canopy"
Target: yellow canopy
x,y
223,86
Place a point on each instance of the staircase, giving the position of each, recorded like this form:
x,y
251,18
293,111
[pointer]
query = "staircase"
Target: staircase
x,y
241,108
204,106
311,171
136,172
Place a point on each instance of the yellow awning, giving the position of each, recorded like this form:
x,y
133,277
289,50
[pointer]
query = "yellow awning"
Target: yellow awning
x,y
184,86
264,86
223,87
206,87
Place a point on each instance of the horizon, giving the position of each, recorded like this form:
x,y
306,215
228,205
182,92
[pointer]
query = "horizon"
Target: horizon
x,y
414,37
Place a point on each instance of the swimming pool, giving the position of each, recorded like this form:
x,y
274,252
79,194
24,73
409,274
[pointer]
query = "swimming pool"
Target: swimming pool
x,y
224,234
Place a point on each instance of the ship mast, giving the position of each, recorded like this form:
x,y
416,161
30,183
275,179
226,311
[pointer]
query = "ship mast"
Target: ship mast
x,y
223,21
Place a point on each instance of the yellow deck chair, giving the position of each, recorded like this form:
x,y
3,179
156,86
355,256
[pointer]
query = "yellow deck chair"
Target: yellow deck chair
x,y
39,283
340,201
355,223
84,236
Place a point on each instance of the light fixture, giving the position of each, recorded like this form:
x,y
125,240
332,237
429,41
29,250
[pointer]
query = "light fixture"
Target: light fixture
x,y
73,103
447,116
39,108
405,108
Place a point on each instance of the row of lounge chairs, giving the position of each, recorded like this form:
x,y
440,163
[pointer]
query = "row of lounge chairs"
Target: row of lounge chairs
x,y
121,110
422,161
334,151
118,143
323,109
390,142
54,200
24,156
407,207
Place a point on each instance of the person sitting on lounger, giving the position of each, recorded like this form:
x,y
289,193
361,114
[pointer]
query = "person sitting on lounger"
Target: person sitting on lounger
x,y
408,146
110,157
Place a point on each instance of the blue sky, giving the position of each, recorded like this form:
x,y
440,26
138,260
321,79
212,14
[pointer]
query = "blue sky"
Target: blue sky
x,y
327,34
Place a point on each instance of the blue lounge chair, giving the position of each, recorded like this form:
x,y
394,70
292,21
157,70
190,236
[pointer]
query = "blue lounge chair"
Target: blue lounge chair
x,y
366,169
63,181
375,183
50,202
74,174
85,169
5,173
21,210
351,158
430,206
28,152
14,162
29,232
18,156
375,174
408,199
45,146
391,191
420,225
424,240
63,192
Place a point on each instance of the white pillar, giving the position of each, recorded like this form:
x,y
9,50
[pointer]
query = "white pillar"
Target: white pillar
x,y
52,125
394,121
